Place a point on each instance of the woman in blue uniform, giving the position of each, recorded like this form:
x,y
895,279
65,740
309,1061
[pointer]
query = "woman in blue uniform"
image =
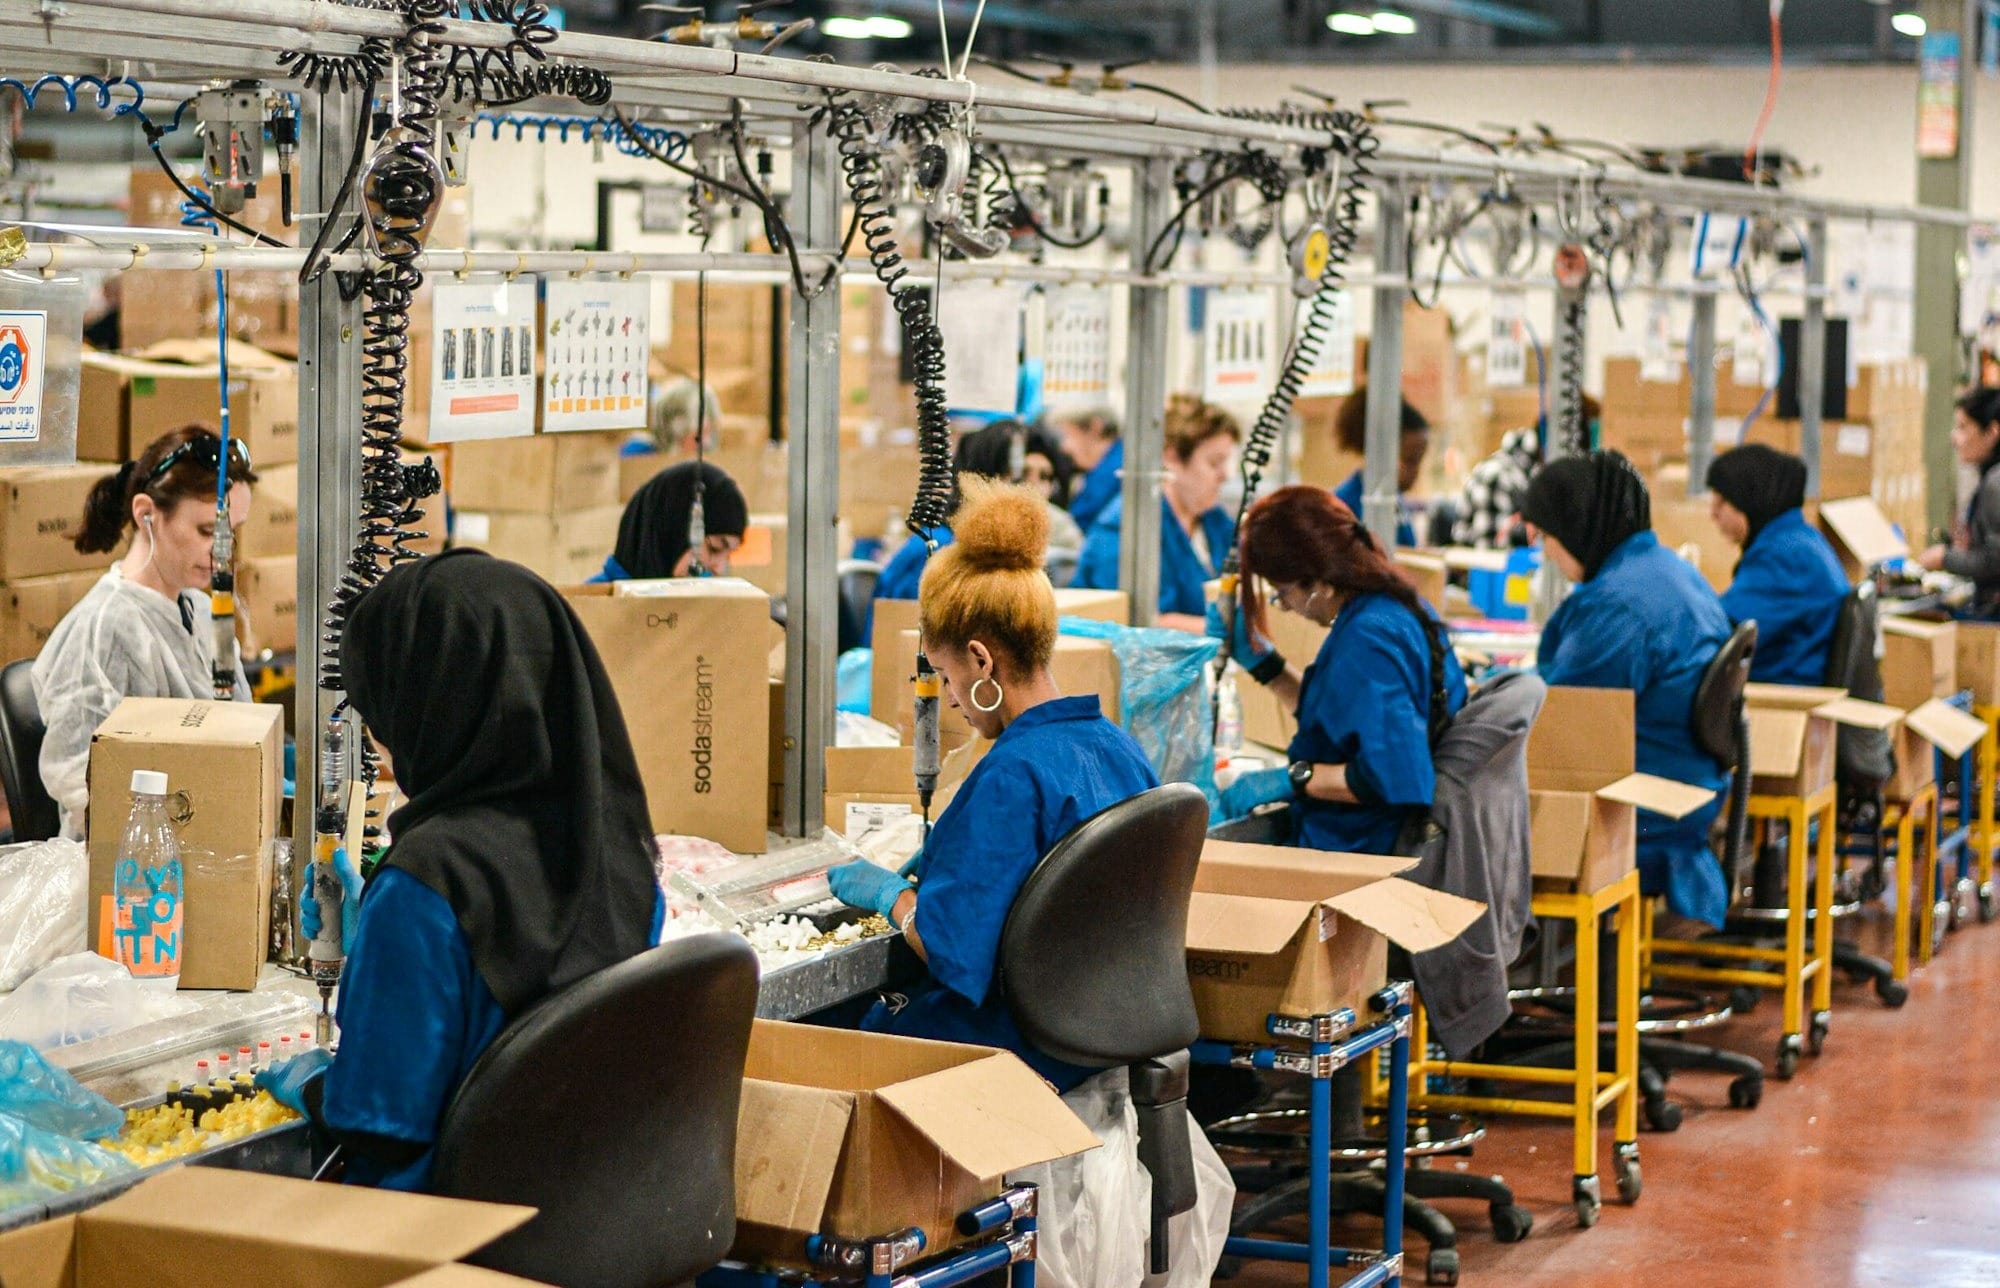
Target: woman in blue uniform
x,y
1789,581
1640,618
521,863
1350,429
1195,532
1378,696
653,533
1092,444
988,617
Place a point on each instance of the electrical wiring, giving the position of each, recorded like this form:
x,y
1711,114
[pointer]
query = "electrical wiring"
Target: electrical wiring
x,y
222,575
1255,167
1028,212
1751,167
69,85
154,134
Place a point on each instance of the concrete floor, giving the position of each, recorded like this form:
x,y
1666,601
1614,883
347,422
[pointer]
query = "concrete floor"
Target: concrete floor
x,y
1879,1164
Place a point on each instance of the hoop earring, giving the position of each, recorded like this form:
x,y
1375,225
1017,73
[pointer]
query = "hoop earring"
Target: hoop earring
x,y
999,696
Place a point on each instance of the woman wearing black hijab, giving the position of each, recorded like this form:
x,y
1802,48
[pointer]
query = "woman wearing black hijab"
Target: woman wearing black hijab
x,y
653,537
521,863
1789,581
1640,618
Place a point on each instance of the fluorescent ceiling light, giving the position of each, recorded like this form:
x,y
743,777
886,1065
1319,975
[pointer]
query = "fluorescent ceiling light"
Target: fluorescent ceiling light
x,y
1909,24
1393,23
888,28
1350,24
841,27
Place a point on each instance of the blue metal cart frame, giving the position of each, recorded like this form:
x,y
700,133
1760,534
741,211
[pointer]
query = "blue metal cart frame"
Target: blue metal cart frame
x,y
1331,1043
1008,1221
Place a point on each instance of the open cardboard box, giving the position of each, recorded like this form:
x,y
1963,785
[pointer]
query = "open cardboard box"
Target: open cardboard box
x,y
207,1225
1583,796
1919,661
861,1134
879,780
1861,534
1287,931
1934,725
1978,658
1793,739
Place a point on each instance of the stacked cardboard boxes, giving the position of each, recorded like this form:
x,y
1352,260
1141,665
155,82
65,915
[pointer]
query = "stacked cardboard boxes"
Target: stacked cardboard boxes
x,y
547,501
42,574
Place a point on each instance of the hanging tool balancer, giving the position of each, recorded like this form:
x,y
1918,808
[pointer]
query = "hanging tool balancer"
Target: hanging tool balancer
x,y
400,184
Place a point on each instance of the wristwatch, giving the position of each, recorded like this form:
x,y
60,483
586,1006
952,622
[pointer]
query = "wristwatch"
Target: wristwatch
x,y
1302,775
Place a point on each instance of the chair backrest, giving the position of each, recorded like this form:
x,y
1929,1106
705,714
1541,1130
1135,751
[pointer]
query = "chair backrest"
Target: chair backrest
x,y
1865,758
857,579
1093,959
34,811
611,1107
1718,699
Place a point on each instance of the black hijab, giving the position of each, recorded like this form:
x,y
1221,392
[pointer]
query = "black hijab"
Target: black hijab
x,y
1761,481
1592,504
653,535
526,812
989,452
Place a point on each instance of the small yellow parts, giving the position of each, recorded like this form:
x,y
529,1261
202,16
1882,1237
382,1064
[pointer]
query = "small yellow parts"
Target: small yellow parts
x,y
13,245
167,1132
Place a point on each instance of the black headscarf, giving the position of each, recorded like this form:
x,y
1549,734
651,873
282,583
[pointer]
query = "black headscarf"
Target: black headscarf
x,y
653,535
526,812
1592,504
989,453
1761,481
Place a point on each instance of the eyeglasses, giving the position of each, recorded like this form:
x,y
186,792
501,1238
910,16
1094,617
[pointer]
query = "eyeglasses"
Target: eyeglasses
x,y
204,453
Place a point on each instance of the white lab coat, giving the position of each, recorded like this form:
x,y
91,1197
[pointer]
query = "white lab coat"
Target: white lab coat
x,y
121,640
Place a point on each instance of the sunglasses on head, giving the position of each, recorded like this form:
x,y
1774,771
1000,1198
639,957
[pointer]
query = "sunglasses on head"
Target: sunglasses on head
x,y
204,453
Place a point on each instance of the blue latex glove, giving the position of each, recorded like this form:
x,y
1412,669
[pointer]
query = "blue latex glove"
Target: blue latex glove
x,y
1248,649
909,869
861,884
287,1082
1257,787
349,873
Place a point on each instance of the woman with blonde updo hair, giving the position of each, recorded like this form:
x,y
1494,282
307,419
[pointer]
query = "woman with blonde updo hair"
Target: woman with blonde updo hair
x,y
987,616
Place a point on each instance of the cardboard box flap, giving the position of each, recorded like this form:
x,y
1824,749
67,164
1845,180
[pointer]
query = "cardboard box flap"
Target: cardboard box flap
x,y
191,720
1916,628
42,1255
1945,727
991,1116
1408,914
1219,923
457,1275
788,1147
340,1219
1860,713
1583,739
1284,872
1860,526
871,769
1777,741
1791,697
1658,795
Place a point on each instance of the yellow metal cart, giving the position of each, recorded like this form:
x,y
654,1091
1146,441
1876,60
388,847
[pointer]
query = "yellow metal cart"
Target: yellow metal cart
x,y
1915,898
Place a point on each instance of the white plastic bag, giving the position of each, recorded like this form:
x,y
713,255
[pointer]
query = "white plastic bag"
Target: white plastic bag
x,y
44,891
1095,1207
83,996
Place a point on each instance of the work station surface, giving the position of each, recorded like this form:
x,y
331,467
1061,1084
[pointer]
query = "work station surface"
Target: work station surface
x,y
1877,1166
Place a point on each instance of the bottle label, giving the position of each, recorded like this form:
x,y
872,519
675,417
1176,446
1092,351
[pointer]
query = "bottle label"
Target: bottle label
x,y
146,931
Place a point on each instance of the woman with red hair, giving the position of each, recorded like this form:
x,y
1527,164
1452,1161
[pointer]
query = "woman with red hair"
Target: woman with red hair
x,y
1377,698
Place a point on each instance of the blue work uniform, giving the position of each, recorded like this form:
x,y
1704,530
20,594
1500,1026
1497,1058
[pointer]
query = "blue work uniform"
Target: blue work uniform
x,y
1365,703
1352,492
612,571
1184,574
1056,765
1100,487
414,1018
1649,623
1790,583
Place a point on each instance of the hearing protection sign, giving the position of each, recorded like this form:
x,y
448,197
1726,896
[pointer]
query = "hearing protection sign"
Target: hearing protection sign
x,y
23,345
597,338
483,359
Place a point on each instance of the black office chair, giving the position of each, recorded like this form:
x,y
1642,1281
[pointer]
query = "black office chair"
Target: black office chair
x,y
1093,964
611,1107
858,578
34,811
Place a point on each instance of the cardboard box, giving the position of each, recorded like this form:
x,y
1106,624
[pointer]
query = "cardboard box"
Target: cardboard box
x,y
224,763
1936,726
222,1225
1429,574
853,1134
1081,666
1684,525
1265,719
1793,739
891,669
178,383
761,559
549,474
1288,931
267,595
563,548
103,427
273,527
34,606
43,511
1861,534
875,776
699,719
1583,795
1919,661
1979,661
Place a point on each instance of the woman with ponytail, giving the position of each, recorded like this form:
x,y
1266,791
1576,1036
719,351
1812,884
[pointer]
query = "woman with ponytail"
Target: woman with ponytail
x,y
144,629
1376,699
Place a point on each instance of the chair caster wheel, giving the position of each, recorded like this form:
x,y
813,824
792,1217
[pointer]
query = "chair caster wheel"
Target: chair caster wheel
x,y
1662,1115
1631,1182
1584,1197
1743,999
1989,903
1746,1092
1892,992
1511,1224
1789,1048
1441,1267
1816,1033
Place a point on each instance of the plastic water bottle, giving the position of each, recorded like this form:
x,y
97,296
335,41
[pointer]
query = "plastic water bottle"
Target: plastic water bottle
x,y
150,906
1229,728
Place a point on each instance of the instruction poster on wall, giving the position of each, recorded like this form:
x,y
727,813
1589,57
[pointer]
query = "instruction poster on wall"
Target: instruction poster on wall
x,y
981,324
1076,350
24,344
597,338
1332,372
1236,346
1507,341
483,359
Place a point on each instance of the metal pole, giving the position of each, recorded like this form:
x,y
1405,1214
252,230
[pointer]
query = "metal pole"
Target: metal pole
x,y
1145,400
1701,396
812,591
1812,355
1944,180
329,443
1380,503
